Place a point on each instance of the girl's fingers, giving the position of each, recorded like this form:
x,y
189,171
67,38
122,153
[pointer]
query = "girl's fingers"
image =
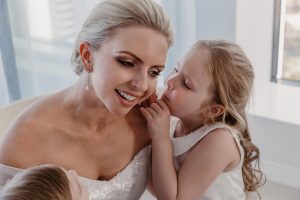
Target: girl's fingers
x,y
146,114
156,107
152,112
162,104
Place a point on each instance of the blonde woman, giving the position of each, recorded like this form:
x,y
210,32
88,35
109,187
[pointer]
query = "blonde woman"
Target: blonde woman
x,y
95,126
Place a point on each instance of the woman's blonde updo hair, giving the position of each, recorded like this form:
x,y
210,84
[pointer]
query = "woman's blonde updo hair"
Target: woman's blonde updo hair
x,y
233,78
111,14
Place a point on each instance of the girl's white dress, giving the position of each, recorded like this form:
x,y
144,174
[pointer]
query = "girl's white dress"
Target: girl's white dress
x,y
228,185
128,184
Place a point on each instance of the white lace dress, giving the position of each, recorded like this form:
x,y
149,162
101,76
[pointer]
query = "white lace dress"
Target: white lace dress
x,y
128,184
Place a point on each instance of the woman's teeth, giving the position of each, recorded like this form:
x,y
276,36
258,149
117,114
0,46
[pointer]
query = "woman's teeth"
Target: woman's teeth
x,y
126,96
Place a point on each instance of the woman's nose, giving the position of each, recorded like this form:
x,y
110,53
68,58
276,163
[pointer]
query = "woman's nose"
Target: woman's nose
x,y
140,82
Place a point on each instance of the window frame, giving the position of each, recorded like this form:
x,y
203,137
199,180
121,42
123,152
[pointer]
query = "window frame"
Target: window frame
x,y
8,54
278,44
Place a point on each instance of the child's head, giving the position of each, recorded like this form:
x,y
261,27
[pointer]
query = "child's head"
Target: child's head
x,y
44,182
233,78
214,81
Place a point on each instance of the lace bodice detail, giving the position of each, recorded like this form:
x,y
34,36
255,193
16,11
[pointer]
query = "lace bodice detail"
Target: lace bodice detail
x,y
128,184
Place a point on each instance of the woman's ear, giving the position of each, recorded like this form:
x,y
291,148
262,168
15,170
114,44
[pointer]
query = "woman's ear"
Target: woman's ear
x,y
214,110
86,56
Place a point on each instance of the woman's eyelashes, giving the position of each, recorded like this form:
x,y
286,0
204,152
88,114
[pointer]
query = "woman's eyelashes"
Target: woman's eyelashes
x,y
126,63
130,64
154,73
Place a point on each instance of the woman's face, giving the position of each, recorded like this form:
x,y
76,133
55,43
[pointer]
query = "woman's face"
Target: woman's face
x,y
126,67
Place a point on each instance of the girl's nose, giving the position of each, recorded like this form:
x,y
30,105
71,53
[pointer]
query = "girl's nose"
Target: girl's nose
x,y
170,83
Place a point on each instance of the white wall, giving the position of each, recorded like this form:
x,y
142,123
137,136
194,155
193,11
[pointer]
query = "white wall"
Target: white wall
x,y
216,19
274,115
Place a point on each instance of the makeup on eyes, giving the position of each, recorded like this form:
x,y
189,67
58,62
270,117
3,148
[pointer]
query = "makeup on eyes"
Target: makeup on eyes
x,y
127,55
130,61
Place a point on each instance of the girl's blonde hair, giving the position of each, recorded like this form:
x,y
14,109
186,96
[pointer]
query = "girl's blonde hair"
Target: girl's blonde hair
x,y
112,14
233,77
44,182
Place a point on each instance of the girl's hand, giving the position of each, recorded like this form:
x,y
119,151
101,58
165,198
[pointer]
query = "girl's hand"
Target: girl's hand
x,y
158,118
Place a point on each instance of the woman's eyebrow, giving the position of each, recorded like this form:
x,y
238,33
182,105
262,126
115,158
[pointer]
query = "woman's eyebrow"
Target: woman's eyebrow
x,y
139,59
133,55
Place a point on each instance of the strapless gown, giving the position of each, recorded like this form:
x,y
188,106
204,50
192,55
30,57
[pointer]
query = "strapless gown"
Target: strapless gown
x,y
129,184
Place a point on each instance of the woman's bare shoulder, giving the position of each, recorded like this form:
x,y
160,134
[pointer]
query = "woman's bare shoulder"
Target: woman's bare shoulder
x,y
27,133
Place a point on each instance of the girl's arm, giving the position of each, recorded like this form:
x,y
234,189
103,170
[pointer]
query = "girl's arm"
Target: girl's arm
x,y
164,175
163,171
215,153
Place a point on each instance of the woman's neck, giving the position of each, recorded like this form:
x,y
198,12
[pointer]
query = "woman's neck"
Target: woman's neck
x,y
86,108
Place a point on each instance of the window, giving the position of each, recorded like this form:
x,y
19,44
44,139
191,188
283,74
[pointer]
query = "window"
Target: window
x,y
286,42
36,50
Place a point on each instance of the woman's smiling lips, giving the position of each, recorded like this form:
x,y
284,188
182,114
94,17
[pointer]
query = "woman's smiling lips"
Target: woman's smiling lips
x,y
126,99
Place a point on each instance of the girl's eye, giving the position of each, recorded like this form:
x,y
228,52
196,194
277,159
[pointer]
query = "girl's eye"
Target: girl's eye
x,y
126,63
185,85
175,69
154,73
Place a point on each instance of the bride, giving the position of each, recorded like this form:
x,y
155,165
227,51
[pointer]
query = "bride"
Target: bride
x,y
95,127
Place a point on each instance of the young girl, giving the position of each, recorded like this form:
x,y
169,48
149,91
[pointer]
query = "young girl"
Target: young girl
x,y
211,146
44,182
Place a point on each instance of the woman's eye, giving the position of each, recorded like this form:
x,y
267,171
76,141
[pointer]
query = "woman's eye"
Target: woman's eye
x,y
126,63
175,69
154,73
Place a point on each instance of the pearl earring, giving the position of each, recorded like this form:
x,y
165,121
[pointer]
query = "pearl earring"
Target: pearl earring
x,y
88,81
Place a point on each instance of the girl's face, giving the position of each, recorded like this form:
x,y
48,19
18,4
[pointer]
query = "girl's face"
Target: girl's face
x,y
78,191
126,66
188,91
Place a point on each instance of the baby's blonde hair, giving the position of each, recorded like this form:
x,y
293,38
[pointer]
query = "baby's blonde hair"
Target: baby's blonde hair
x,y
44,182
233,78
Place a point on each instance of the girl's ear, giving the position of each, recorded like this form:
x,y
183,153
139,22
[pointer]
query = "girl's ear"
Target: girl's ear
x,y
86,56
214,110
